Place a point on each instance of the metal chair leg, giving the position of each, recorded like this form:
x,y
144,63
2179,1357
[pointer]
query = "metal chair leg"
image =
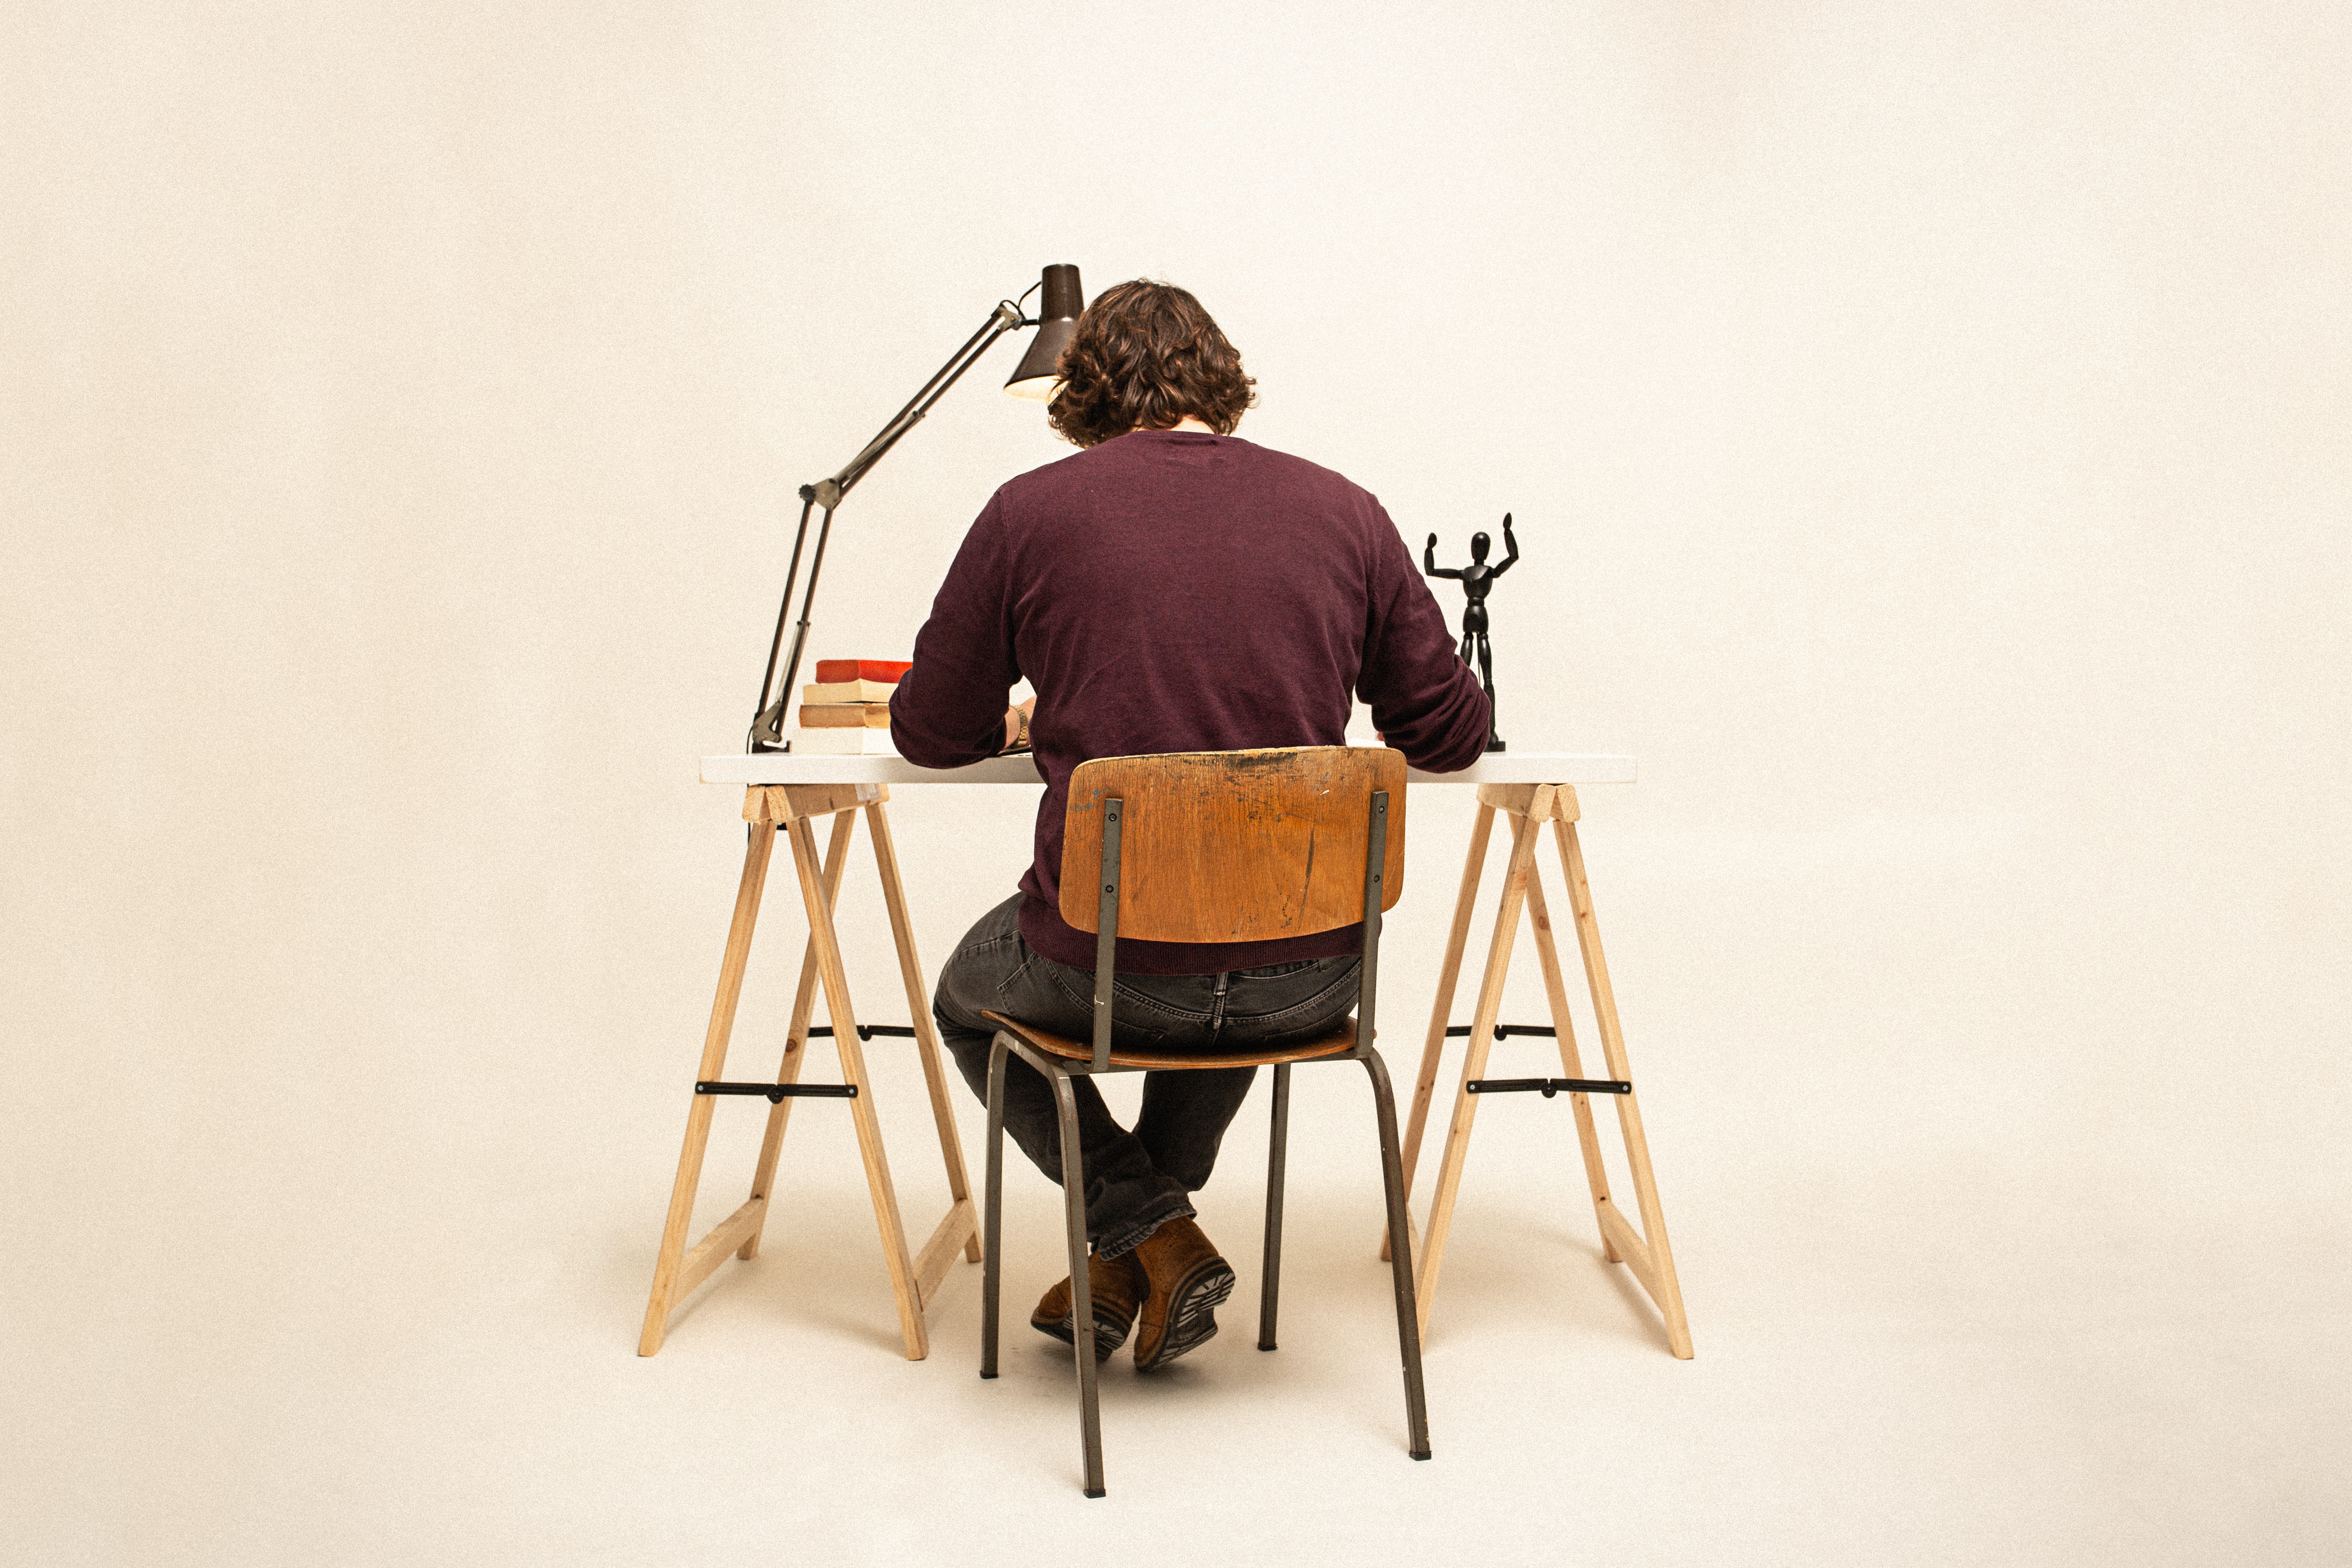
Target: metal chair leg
x,y
1082,1305
1277,1143
993,1210
1416,1407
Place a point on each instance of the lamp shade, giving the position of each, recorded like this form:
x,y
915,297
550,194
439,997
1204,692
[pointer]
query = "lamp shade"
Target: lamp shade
x,y
1057,324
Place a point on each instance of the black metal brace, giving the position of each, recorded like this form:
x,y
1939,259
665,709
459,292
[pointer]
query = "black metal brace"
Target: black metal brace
x,y
775,1093
1550,1085
1505,1031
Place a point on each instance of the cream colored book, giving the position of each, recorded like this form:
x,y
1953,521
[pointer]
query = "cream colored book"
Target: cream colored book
x,y
845,715
849,691
844,743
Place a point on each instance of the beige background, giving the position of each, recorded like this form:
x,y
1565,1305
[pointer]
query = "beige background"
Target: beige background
x,y
1927,427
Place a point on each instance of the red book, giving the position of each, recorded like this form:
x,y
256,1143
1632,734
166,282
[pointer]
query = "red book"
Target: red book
x,y
886,670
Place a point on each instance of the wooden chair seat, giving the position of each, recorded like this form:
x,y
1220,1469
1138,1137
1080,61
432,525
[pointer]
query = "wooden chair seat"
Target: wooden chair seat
x,y
1339,1040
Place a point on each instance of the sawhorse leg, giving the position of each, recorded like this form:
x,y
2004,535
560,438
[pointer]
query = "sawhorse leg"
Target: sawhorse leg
x,y
1646,1252
932,1263
796,1035
789,810
1432,1048
677,1271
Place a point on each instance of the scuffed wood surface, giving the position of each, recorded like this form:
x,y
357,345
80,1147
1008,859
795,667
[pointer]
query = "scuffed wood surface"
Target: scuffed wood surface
x,y
1233,845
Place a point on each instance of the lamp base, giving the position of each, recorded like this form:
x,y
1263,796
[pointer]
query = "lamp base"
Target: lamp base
x,y
768,731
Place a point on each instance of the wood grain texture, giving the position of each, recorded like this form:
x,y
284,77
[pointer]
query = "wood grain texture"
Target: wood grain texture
x,y
834,982
1474,1065
724,1238
757,848
1664,1285
918,1010
1626,1246
791,810
1449,972
789,802
837,853
1233,845
954,1233
1441,1009
1571,1062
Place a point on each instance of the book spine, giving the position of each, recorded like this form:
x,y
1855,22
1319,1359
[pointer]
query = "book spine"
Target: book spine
x,y
845,715
849,691
883,669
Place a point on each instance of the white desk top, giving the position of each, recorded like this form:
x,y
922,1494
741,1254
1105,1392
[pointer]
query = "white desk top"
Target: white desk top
x,y
783,768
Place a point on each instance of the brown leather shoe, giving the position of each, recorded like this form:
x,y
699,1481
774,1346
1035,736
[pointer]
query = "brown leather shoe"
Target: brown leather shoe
x,y
1187,1282
1113,1286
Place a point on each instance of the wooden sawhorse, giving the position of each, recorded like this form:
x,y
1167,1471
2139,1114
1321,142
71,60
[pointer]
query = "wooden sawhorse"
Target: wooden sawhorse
x,y
1644,1251
792,810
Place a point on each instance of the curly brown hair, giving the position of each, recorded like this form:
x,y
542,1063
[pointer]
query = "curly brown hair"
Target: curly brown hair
x,y
1145,355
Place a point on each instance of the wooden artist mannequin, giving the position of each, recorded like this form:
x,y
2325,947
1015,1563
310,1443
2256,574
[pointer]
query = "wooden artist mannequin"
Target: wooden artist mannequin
x,y
1476,580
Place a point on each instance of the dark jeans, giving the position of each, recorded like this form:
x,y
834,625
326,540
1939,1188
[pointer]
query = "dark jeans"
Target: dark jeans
x,y
1134,1179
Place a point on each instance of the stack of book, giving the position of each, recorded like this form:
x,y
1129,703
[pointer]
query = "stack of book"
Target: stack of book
x,y
847,711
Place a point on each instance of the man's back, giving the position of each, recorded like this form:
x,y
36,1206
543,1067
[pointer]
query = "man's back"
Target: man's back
x,y
1176,590
1169,589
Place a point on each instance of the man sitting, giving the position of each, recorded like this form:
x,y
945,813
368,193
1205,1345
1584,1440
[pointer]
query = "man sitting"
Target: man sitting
x,y
1169,588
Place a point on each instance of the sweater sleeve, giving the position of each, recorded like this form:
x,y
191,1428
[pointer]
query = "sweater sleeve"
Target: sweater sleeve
x,y
1426,701
950,707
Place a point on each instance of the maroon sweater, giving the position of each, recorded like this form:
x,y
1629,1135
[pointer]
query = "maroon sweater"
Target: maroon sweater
x,y
1174,591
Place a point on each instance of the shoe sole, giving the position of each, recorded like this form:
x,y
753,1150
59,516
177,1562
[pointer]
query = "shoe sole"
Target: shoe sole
x,y
1109,1332
1192,1312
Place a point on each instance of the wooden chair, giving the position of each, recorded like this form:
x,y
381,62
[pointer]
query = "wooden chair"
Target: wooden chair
x,y
1216,846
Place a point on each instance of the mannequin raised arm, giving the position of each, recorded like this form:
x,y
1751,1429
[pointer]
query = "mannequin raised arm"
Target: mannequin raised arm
x,y
1510,543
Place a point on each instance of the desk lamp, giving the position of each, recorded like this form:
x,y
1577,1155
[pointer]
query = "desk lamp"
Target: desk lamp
x,y
1056,320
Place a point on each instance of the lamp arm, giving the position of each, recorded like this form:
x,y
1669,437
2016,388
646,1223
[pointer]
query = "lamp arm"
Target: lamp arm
x,y
768,718
1005,318
762,717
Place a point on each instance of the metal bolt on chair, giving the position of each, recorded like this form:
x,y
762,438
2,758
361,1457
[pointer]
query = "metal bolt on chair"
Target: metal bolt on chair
x,y
1216,846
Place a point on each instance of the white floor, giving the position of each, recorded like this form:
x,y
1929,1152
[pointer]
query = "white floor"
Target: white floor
x,y
2018,1240
1926,1363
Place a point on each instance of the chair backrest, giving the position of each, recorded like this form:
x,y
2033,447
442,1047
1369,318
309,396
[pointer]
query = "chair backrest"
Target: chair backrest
x,y
1233,845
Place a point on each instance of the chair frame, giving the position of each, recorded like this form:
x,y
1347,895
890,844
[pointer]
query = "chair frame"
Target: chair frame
x,y
1058,1072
